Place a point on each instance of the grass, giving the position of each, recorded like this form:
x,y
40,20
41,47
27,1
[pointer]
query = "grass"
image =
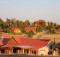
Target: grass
x,y
49,36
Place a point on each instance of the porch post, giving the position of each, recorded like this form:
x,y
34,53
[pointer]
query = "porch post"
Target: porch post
x,y
11,51
0,52
29,51
23,50
18,51
54,53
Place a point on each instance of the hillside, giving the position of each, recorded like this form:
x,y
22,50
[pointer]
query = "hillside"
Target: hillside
x,y
26,28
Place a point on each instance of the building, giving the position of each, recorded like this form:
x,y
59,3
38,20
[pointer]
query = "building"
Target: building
x,y
29,28
16,30
23,45
4,35
4,38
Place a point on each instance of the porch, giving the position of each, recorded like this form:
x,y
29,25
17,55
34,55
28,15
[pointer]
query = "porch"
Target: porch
x,y
17,50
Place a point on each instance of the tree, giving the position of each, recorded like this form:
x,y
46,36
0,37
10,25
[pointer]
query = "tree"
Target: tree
x,y
51,27
1,30
23,30
38,28
58,27
26,23
1,22
30,33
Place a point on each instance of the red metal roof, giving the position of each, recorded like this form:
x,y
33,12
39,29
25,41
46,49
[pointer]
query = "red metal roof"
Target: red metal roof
x,y
23,41
4,41
36,43
14,28
4,38
30,28
17,38
1,43
10,45
5,35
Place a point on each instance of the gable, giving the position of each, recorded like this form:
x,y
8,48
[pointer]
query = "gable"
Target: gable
x,y
17,31
5,40
12,41
1,43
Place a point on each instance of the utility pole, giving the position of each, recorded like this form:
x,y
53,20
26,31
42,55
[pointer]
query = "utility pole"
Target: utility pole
x,y
54,43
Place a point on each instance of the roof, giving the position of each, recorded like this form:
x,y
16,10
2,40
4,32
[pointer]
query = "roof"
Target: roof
x,y
35,43
1,43
10,45
26,46
18,38
30,28
5,35
5,40
24,42
14,28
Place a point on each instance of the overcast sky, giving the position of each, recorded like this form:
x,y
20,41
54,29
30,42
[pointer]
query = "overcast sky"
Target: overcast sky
x,y
48,10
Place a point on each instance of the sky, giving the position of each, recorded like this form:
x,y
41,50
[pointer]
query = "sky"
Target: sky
x,y
32,10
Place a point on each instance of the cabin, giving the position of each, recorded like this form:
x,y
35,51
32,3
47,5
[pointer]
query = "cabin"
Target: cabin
x,y
4,35
16,30
24,45
4,38
29,28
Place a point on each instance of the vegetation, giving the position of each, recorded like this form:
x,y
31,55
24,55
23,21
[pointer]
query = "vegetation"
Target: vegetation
x,y
30,33
5,26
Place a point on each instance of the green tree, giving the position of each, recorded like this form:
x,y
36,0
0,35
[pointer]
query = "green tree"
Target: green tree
x,y
38,28
30,33
1,23
1,30
27,23
51,27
